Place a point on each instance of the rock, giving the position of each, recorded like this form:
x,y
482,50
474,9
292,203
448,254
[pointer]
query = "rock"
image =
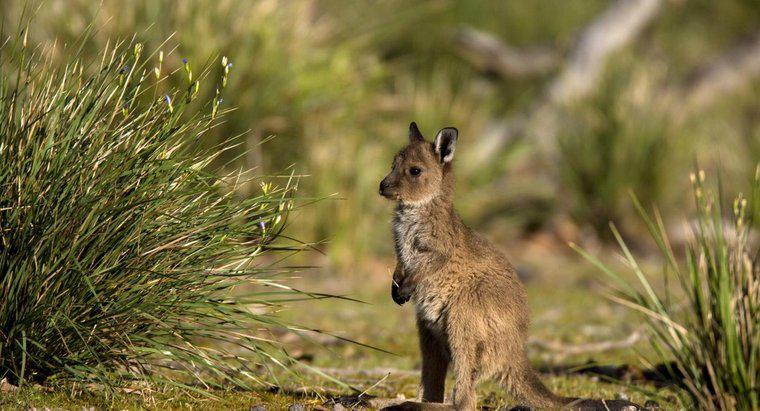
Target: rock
x,y
5,386
339,407
296,407
258,407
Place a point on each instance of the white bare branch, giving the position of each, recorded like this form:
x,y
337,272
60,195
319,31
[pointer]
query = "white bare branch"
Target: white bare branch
x,y
612,30
724,75
489,53
593,347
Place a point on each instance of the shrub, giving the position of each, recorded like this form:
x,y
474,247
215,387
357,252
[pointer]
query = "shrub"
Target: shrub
x,y
121,254
707,329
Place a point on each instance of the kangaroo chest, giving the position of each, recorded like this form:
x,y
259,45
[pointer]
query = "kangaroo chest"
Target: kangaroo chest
x,y
410,232
417,245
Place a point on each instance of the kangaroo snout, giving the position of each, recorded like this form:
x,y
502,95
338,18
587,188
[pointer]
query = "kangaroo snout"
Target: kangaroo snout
x,y
385,190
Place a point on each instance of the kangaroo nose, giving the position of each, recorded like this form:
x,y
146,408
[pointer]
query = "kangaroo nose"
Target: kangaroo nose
x,y
383,186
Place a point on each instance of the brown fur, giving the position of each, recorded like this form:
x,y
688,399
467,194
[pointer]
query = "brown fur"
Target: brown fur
x,y
472,311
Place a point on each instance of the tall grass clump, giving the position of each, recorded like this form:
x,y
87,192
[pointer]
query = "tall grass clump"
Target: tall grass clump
x,y
706,326
616,144
122,256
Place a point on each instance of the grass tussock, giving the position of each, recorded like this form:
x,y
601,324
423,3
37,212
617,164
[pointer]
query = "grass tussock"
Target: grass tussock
x,y
121,252
706,326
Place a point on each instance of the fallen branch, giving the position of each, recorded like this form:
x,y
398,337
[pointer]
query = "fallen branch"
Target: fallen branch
x,y
593,347
613,29
489,54
727,73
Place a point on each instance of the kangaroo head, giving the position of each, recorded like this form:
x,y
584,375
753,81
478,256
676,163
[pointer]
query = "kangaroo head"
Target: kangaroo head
x,y
420,171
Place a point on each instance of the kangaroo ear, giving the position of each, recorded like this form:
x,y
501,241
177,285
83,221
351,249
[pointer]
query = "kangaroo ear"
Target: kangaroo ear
x,y
414,133
445,143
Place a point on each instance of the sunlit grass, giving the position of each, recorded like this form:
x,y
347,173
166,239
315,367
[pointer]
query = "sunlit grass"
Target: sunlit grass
x,y
707,331
121,250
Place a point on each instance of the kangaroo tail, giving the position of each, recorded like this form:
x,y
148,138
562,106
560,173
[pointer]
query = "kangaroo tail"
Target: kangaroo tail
x,y
525,384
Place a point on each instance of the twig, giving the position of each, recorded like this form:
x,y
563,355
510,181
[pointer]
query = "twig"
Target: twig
x,y
369,388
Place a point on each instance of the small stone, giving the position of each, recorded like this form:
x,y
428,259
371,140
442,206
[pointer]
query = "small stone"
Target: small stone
x,y
258,407
629,408
296,407
622,396
338,407
652,405
5,386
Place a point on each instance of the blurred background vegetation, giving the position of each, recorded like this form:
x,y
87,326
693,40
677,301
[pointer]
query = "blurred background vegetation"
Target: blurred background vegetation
x,y
564,108
337,82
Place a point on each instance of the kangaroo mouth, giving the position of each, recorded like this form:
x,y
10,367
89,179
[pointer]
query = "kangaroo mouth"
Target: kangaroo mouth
x,y
390,195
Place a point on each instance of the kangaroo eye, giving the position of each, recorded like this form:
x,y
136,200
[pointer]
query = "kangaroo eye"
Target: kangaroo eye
x,y
415,171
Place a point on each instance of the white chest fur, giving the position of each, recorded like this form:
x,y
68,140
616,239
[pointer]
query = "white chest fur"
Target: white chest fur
x,y
430,307
408,228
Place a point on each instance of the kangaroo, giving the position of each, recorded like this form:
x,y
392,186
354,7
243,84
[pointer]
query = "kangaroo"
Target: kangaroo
x,y
471,308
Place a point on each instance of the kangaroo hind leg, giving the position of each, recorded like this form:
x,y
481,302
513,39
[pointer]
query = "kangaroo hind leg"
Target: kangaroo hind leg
x,y
435,363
